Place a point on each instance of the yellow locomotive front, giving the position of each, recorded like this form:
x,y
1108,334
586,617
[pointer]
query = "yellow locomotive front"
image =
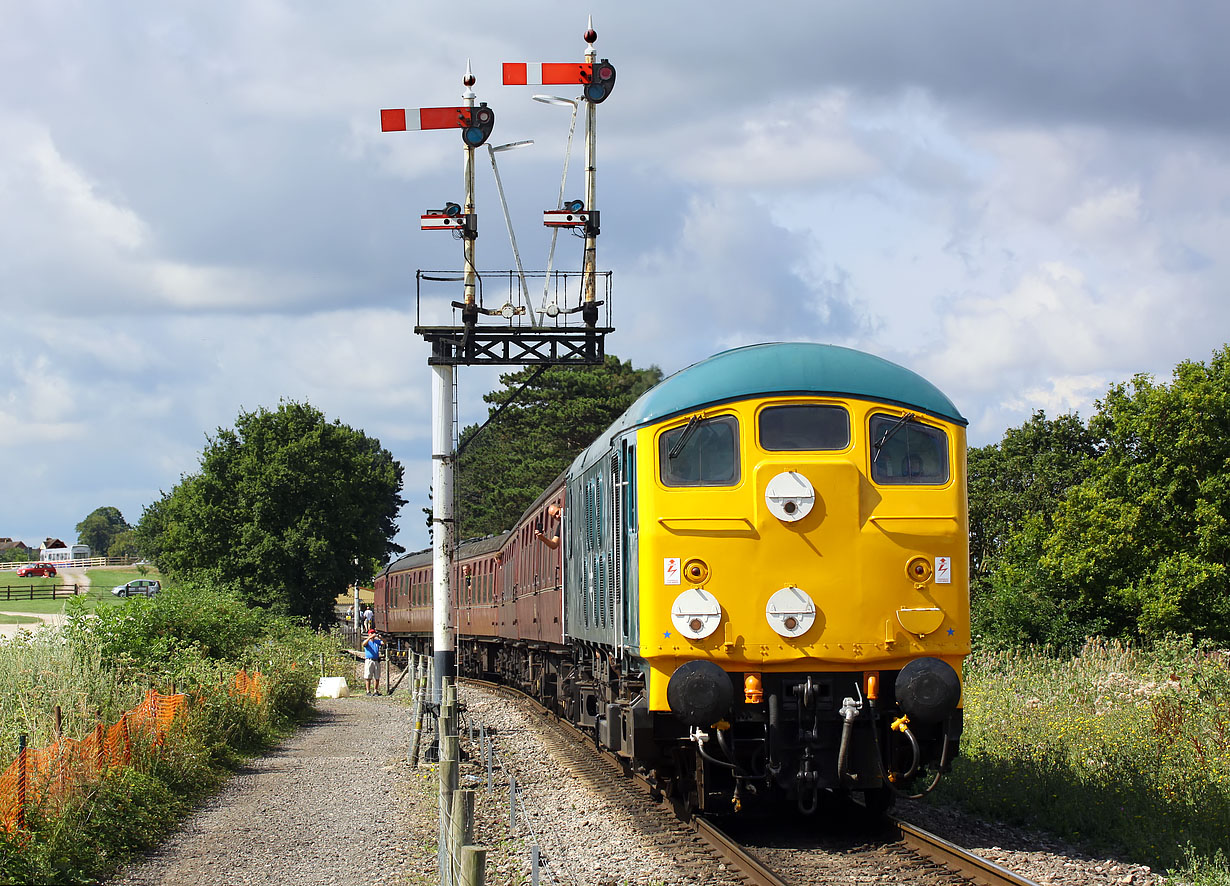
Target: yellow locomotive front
x,y
801,577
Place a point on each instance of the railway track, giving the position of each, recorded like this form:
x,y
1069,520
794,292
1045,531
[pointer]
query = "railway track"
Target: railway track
x,y
975,868
872,850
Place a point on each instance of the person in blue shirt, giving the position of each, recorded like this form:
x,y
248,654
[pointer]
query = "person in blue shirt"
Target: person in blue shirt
x,y
371,662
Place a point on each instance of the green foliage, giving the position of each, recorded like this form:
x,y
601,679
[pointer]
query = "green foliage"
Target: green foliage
x,y
194,635
281,509
1147,533
1021,480
17,555
1118,530
100,530
192,620
125,544
536,437
124,814
1125,748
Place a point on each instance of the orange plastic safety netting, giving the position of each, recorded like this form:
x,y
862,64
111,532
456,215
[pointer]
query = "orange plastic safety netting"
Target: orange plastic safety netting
x,y
48,774
250,685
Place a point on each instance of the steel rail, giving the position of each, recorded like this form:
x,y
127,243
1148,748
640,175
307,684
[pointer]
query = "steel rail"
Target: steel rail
x,y
739,858
976,869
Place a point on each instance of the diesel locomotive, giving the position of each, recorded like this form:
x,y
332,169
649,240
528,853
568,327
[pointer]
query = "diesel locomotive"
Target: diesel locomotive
x,y
753,585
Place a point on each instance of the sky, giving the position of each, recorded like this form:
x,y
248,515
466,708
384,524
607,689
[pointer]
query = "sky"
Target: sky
x,y
1025,202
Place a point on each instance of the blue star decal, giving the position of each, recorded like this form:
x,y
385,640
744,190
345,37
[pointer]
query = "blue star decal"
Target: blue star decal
x,y
951,632
666,634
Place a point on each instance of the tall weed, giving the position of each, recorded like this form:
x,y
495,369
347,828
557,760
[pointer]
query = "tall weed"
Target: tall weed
x,y
1117,746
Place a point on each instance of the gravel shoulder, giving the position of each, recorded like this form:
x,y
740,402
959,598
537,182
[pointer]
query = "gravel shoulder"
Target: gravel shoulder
x,y
322,808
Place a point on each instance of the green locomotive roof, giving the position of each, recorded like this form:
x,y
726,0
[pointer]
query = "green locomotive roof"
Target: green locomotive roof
x,y
781,368
791,367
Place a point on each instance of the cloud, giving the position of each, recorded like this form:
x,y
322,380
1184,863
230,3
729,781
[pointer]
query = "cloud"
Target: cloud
x,y
732,276
1022,201
790,144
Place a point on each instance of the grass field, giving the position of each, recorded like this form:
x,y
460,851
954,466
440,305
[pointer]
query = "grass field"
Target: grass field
x,y
98,593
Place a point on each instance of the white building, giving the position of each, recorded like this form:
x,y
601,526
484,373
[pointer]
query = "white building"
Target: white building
x,y
63,554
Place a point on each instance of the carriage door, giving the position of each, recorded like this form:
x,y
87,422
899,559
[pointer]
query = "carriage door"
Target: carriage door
x,y
624,503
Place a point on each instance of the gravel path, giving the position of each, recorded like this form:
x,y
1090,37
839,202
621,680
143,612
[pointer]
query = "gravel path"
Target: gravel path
x,y
322,808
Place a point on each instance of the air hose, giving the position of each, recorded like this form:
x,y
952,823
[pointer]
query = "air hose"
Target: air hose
x,y
938,772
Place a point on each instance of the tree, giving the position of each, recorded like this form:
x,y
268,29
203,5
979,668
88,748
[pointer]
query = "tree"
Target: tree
x,y
1028,473
125,544
1123,531
14,555
540,432
1014,488
282,507
1141,547
100,528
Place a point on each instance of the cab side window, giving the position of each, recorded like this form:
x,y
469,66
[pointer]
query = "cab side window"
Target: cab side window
x,y
907,452
704,452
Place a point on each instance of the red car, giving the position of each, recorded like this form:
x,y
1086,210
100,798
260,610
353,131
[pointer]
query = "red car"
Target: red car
x,y
44,569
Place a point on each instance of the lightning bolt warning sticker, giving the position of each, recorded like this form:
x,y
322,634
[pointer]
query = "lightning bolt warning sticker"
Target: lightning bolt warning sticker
x,y
943,570
670,570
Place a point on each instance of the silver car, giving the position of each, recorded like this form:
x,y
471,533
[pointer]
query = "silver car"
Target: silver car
x,y
145,587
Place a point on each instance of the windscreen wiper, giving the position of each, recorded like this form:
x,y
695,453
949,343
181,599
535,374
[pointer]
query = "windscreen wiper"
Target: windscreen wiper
x,y
683,438
892,429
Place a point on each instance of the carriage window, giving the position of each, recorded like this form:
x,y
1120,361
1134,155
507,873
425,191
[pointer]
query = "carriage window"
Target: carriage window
x,y
799,428
907,452
701,453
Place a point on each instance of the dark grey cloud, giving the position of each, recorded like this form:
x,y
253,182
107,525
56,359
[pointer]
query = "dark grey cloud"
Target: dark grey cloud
x,y
1136,63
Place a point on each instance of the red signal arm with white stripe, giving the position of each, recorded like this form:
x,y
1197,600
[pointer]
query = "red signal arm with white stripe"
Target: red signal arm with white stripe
x,y
546,73
401,120
434,221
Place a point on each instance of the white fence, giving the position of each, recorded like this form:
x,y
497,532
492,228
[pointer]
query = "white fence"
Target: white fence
x,y
86,563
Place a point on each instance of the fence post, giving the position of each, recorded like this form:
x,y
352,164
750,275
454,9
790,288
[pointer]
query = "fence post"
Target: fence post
x,y
127,738
448,778
418,714
22,781
473,865
490,763
461,828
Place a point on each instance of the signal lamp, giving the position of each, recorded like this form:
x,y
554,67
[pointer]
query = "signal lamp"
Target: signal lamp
x,y
602,81
478,128
574,205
